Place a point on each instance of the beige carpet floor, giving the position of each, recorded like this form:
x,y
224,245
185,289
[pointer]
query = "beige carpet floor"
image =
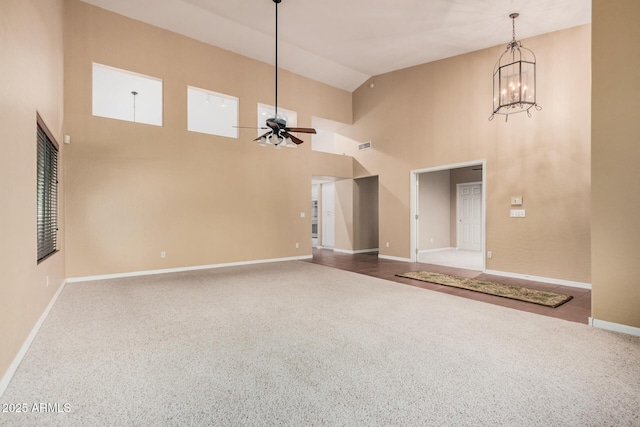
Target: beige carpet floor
x,y
301,344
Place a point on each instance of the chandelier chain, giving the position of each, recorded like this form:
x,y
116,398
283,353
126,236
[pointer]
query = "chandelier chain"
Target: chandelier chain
x,y
513,42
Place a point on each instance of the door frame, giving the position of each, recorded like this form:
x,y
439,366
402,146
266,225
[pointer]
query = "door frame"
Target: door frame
x,y
413,208
458,186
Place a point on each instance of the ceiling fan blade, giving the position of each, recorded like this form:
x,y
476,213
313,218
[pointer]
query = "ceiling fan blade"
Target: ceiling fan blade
x,y
295,139
250,127
262,136
301,130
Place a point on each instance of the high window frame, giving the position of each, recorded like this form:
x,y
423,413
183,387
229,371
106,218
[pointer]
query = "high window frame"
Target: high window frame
x,y
126,95
212,112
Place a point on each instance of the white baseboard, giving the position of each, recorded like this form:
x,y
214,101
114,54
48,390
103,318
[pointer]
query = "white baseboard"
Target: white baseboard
x,y
540,279
394,258
6,378
181,269
359,251
615,327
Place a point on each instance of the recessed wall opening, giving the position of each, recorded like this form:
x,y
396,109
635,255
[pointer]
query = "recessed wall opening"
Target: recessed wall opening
x,y
344,214
211,112
329,138
125,95
448,215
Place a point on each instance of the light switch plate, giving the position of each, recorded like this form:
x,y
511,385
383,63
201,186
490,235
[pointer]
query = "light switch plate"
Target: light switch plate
x,y
517,213
516,200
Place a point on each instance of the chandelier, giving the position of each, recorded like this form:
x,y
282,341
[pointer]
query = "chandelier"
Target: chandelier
x,y
514,79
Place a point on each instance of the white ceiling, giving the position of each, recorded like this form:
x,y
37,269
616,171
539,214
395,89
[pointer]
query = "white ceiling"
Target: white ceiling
x,y
344,42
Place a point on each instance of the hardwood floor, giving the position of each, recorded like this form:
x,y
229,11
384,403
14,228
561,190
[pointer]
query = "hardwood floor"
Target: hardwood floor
x,y
577,309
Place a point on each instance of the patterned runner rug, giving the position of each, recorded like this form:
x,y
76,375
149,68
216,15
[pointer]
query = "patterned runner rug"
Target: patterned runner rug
x,y
549,299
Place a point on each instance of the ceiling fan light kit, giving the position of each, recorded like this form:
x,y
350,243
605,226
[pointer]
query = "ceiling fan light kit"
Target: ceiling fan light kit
x,y
278,133
514,79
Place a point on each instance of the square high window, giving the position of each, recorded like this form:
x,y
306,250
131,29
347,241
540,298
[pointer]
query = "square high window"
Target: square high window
x,y
125,95
212,112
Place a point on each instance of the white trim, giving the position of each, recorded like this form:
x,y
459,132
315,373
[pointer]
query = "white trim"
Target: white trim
x,y
615,327
8,375
395,258
359,251
540,279
181,269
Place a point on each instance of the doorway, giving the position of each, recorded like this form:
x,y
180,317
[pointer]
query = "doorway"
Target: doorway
x,y
323,213
345,214
448,215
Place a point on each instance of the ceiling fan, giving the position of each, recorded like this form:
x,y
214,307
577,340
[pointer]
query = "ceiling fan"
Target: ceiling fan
x,y
278,133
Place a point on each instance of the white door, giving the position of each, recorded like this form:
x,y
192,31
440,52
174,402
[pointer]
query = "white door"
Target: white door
x,y
470,216
328,215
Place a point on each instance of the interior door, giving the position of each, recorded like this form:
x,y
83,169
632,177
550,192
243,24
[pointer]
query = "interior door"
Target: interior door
x,y
328,215
470,216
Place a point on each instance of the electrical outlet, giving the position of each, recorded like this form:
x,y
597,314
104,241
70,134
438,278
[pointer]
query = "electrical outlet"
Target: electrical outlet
x,y
489,254
297,245
163,254
387,244
47,281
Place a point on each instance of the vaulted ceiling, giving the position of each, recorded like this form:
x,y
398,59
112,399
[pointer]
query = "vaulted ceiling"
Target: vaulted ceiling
x,y
344,42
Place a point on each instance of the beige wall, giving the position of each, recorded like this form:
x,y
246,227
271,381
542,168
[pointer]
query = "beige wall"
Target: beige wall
x,y
365,213
356,214
343,215
436,114
616,160
136,190
31,54
434,205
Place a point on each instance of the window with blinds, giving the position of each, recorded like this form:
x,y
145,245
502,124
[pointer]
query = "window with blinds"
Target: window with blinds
x,y
47,190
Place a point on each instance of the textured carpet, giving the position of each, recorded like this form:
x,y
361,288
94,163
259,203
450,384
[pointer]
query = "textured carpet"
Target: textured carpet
x,y
298,344
549,299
